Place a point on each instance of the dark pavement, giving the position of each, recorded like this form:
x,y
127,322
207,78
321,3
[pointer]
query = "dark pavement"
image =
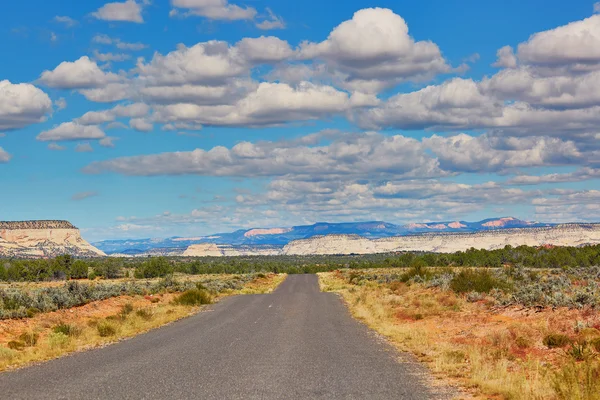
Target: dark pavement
x,y
295,343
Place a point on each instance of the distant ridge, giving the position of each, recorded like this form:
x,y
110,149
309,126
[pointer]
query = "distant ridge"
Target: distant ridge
x,y
281,236
38,224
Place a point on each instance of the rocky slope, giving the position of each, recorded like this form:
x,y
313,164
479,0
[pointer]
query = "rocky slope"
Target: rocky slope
x,y
33,239
560,235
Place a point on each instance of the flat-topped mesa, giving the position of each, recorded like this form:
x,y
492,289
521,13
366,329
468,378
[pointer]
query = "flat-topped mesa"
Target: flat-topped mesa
x,y
34,239
40,224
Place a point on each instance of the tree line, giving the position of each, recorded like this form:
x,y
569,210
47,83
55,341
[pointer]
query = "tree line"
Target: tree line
x,y
67,267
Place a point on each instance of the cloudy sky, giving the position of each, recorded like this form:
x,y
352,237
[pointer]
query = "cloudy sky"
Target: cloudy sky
x,y
153,118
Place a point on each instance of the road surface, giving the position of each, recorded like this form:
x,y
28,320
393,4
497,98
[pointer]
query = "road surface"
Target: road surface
x,y
296,343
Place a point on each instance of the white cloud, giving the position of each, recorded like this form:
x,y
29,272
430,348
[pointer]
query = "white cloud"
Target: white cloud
x,y
108,142
111,57
265,49
67,21
129,11
375,51
488,154
361,155
84,148
134,110
272,22
597,7
4,156
270,104
141,125
105,39
71,131
22,104
215,9
108,93
80,74
575,46
56,147
60,104
506,58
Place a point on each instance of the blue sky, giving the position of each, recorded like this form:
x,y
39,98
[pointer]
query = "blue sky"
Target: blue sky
x,y
187,117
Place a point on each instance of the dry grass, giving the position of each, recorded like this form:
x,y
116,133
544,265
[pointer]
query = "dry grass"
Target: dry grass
x,y
494,353
100,323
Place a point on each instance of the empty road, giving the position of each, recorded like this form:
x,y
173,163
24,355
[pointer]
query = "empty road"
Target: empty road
x,y
296,343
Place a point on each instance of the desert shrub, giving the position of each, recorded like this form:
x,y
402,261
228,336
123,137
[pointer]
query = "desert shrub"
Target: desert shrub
x,y
579,350
106,328
29,338
154,268
578,381
126,310
7,354
555,340
57,339
16,345
595,344
145,314
194,297
66,329
481,281
522,342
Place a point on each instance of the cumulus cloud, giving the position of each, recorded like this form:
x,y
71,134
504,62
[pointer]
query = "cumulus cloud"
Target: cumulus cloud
x,y
83,73
141,125
375,50
270,104
506,58
22,104
215,9
135,110
575,46
71,131
128,11
366,155
4,156
491,154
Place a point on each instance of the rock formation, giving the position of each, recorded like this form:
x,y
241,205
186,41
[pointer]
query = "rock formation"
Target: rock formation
x,y
33,239
561,235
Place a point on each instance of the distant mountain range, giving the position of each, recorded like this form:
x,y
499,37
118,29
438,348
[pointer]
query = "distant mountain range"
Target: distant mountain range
x,y
282,236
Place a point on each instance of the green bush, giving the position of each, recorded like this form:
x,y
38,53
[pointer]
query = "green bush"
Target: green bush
x,y
29,338
145,314
194,297
480,281
66,329
57,339
555,340
106,329
16,345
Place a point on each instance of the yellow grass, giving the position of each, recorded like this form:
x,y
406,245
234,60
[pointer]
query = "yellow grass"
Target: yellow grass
x,y
87,321
492,355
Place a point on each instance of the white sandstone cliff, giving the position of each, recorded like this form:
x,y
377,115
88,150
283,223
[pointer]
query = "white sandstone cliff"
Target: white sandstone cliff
x,y
43,239
561,235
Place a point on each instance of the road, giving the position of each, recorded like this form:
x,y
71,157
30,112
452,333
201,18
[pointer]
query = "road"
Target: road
x,y
296,343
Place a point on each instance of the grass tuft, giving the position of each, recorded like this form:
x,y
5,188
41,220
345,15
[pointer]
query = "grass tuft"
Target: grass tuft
x,y
194,297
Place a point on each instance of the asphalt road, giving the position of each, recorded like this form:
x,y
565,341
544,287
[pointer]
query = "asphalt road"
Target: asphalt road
x,y
296,343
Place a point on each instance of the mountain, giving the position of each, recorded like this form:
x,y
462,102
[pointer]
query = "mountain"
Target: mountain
x,y
35,239
281,236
